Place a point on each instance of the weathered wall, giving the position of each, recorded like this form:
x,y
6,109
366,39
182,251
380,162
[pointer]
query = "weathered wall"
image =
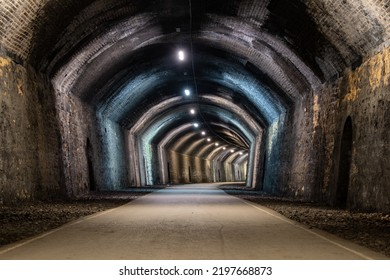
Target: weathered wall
x,y
202,170
180,167
78,126
364,95
114,163
313,138
302,150
30,160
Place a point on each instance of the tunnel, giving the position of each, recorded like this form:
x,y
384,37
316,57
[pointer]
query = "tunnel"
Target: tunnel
x,y
289,98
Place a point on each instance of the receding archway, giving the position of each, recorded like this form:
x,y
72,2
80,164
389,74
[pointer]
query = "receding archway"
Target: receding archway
x,y
344,165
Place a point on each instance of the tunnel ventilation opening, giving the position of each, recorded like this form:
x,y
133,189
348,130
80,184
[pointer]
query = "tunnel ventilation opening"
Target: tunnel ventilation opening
x,y
344,165
189,174
169,173
91,174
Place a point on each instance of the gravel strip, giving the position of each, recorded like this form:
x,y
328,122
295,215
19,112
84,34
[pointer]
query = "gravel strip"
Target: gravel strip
x,y
371,230
32,218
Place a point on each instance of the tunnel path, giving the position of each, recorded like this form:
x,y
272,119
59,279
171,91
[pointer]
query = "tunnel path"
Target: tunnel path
x,y
186,222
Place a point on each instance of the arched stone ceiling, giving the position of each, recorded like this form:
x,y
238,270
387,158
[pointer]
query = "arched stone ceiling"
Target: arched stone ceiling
x,y
119,55
34,28
156,80
157,130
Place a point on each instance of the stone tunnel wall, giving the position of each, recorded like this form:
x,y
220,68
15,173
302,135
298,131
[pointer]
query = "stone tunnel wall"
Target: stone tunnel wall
x,y
112,156
30,159
80,145
312,138
302,151
364,95
181,166
202,170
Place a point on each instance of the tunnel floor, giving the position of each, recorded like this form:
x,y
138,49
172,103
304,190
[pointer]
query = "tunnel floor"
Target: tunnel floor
x,y
186,222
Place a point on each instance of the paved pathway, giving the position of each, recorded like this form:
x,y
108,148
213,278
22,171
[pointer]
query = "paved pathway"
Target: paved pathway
x,y
186,222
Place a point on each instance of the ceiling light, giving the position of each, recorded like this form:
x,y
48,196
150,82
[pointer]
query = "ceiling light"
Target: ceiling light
x,y
192,111
224,148
217,144
196,125
241,153
208,139
187,92
232,151
181,55
203,133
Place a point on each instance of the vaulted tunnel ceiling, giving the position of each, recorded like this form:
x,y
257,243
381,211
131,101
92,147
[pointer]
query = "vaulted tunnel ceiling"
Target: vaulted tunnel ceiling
x,y
120,57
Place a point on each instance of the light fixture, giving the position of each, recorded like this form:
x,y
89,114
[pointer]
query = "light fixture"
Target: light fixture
x,y
232,151
208,139
196,125
203,133
241,153
187,92
217,144
224,148
180,55
192,111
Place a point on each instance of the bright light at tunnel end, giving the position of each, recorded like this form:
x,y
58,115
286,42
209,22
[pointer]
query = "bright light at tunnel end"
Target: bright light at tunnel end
x,y
181,55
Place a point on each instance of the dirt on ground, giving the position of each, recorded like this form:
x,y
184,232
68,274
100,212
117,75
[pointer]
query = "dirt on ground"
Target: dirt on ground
x,y
371,230
25,220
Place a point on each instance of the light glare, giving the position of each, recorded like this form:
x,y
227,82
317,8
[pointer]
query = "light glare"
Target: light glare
x,y
181,55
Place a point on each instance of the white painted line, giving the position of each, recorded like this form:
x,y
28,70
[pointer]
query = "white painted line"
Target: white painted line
x,y
310,231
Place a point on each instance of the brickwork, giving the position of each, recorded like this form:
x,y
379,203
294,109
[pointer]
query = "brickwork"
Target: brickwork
x,y
363,95
78,125
30,161
16,25
52,143
362,26
189,169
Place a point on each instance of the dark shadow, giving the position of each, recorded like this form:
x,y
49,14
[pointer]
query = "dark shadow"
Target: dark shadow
x,y
189,174
91,173
169,173
344,165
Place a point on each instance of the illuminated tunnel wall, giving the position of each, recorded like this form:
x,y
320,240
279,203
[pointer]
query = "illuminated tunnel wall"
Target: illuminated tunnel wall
x,y
192,171
119,101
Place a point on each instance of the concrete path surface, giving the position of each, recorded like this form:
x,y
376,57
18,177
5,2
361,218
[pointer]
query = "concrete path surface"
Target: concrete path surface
x,y
196,222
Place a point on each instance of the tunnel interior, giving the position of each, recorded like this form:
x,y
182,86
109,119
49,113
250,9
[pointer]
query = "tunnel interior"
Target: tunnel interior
x,y
106,95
